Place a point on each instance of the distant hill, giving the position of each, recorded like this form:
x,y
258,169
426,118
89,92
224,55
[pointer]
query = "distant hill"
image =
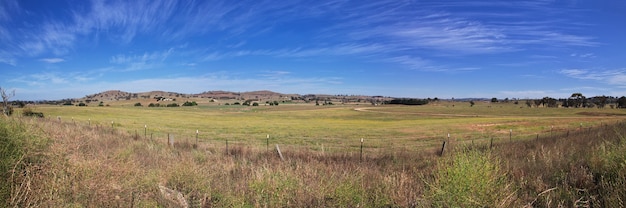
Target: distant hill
x,y
260,96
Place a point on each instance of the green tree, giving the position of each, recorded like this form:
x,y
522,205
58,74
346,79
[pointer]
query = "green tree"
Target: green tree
x,y
138,104
472,103
621,102
494,100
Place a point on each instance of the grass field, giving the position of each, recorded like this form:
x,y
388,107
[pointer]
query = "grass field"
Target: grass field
x,y
340,126
87,161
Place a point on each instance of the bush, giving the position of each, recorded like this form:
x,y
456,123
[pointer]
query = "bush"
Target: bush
x,y
19,149
30,112
172,105
236,103
138,104
255,104
470,178
187,103
101,104
82,104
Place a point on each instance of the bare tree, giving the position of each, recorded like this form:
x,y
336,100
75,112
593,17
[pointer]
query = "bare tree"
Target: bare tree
x,y
5,101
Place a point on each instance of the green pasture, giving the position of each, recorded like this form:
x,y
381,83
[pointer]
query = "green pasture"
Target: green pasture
x,y
339,126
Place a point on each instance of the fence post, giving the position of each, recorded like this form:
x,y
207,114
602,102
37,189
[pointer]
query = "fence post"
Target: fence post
x,y
227,153
197,132
491,143
89,122
280,153
443,147
267,143
361,156
510,135
170,139
145,131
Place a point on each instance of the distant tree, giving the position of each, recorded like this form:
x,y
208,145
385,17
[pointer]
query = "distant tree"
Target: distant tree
x,y
7,110
600,101
471,103
549,102
138,104
275,102
187,103
81,104
621,102
410,101
151,105
101,104
255,104
529,103
494,100
172,105
577,100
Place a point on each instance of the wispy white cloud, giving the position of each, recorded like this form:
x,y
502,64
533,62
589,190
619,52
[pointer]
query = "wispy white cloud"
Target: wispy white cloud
x,y
584,55
52,60
141,62
612,77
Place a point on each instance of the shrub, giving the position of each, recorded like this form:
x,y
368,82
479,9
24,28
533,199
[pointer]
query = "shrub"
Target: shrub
x,y
470,178
172,105
138,104
609,167
236,103
101,104
81,104
187,103
255,104
30,112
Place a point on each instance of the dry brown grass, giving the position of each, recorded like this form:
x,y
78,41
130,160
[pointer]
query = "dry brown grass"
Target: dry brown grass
x,y
88,167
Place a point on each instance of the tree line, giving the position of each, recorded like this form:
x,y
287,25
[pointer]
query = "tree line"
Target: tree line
x,y
576,100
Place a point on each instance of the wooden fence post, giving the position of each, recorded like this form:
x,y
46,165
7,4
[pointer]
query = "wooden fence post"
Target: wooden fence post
x,y
443,147
267,143
197,132
361,156
279,153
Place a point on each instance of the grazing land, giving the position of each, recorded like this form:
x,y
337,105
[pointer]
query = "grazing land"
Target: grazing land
x,y
497,155
340,126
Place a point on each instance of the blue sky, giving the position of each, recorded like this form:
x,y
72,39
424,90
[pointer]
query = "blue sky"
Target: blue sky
x,y
514,49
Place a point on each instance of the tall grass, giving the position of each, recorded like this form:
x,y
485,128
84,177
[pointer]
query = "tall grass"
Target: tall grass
x,y
470,178
88,166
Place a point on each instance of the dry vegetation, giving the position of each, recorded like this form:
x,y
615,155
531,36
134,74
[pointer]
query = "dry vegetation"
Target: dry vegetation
x,y
78,165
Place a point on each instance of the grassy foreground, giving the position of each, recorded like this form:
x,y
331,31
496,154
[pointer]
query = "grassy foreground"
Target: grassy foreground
x,y
47,163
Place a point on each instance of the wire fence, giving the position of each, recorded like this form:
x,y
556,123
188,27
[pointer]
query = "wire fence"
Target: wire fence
x,y
363,146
